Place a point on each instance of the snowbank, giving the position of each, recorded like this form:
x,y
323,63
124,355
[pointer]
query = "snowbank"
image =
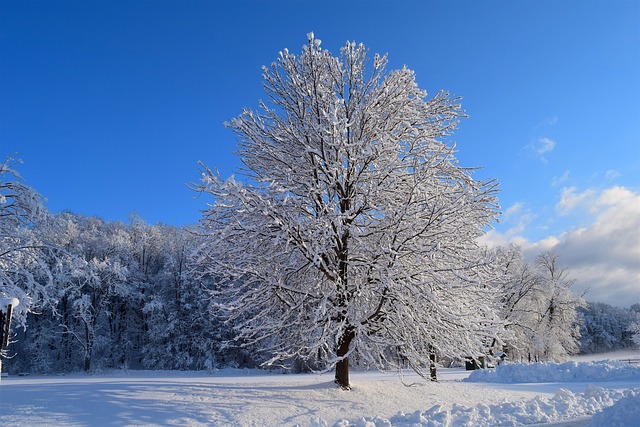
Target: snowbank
x,y
625,412
564,405
604,370
6,302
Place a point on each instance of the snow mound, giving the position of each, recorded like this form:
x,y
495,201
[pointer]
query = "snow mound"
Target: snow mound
x,y
563,406
604,370
6,302
625,412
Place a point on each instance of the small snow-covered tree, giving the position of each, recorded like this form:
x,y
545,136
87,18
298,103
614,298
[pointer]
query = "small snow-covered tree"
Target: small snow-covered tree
x,y
355,232
635,331
557,310
519,284
538,307
23,274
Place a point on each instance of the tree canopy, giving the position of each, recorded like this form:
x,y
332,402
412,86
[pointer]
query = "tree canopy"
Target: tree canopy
x,y
354,230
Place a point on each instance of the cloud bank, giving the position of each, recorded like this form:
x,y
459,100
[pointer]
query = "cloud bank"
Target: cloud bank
x,y
602,254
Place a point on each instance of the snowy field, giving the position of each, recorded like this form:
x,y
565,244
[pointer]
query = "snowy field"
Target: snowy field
x,y
561,395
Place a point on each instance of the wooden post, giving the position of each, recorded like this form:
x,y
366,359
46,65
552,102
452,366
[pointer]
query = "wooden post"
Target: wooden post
x,y
6,307
4,332
2,316
6,323
433,373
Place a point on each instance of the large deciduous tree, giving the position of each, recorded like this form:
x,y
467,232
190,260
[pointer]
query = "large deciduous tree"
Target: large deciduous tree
x,y
354,232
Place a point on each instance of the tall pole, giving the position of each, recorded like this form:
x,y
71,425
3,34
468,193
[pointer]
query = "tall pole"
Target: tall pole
x,y
6,308
2,320
6,324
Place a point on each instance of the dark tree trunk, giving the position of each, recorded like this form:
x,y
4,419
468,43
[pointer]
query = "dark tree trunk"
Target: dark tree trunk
x,y
66,338
88,349
342,367
3,342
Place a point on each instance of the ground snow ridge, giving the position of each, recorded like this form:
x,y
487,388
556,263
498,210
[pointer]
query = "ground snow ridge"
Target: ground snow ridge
x,y
604,370
623,409
611,407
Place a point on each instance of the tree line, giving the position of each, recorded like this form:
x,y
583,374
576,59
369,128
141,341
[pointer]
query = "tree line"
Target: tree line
x,y
114,295
101,295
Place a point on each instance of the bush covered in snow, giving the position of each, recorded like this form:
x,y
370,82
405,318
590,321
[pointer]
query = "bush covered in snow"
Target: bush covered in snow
x,y
605,370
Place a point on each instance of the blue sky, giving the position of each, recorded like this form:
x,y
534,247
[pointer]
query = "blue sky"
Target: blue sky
x,y
111,105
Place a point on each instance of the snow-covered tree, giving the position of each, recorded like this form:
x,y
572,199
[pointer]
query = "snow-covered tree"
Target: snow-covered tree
x,y
23,274
538,307
123,295
355,230
635,331
519,283
180,332
92,285
557,310
604,327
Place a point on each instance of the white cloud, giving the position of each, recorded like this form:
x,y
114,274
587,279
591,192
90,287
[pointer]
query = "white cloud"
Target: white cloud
x,y
517,218
552,121
559,180
570,199
603,255
541,146
612,175
513,210
544,145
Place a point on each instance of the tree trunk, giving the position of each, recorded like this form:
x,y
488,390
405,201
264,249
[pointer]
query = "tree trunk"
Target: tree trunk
x,y
88,348
342,367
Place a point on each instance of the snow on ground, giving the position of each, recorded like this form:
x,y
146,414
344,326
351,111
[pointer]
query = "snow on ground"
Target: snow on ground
x,y
603,370
562,407
623,412
254,398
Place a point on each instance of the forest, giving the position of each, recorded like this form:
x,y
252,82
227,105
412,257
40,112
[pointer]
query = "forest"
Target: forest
x,y
100,295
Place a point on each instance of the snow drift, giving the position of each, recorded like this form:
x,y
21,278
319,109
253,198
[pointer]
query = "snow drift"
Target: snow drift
x,y
564,405
604,370
625,412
